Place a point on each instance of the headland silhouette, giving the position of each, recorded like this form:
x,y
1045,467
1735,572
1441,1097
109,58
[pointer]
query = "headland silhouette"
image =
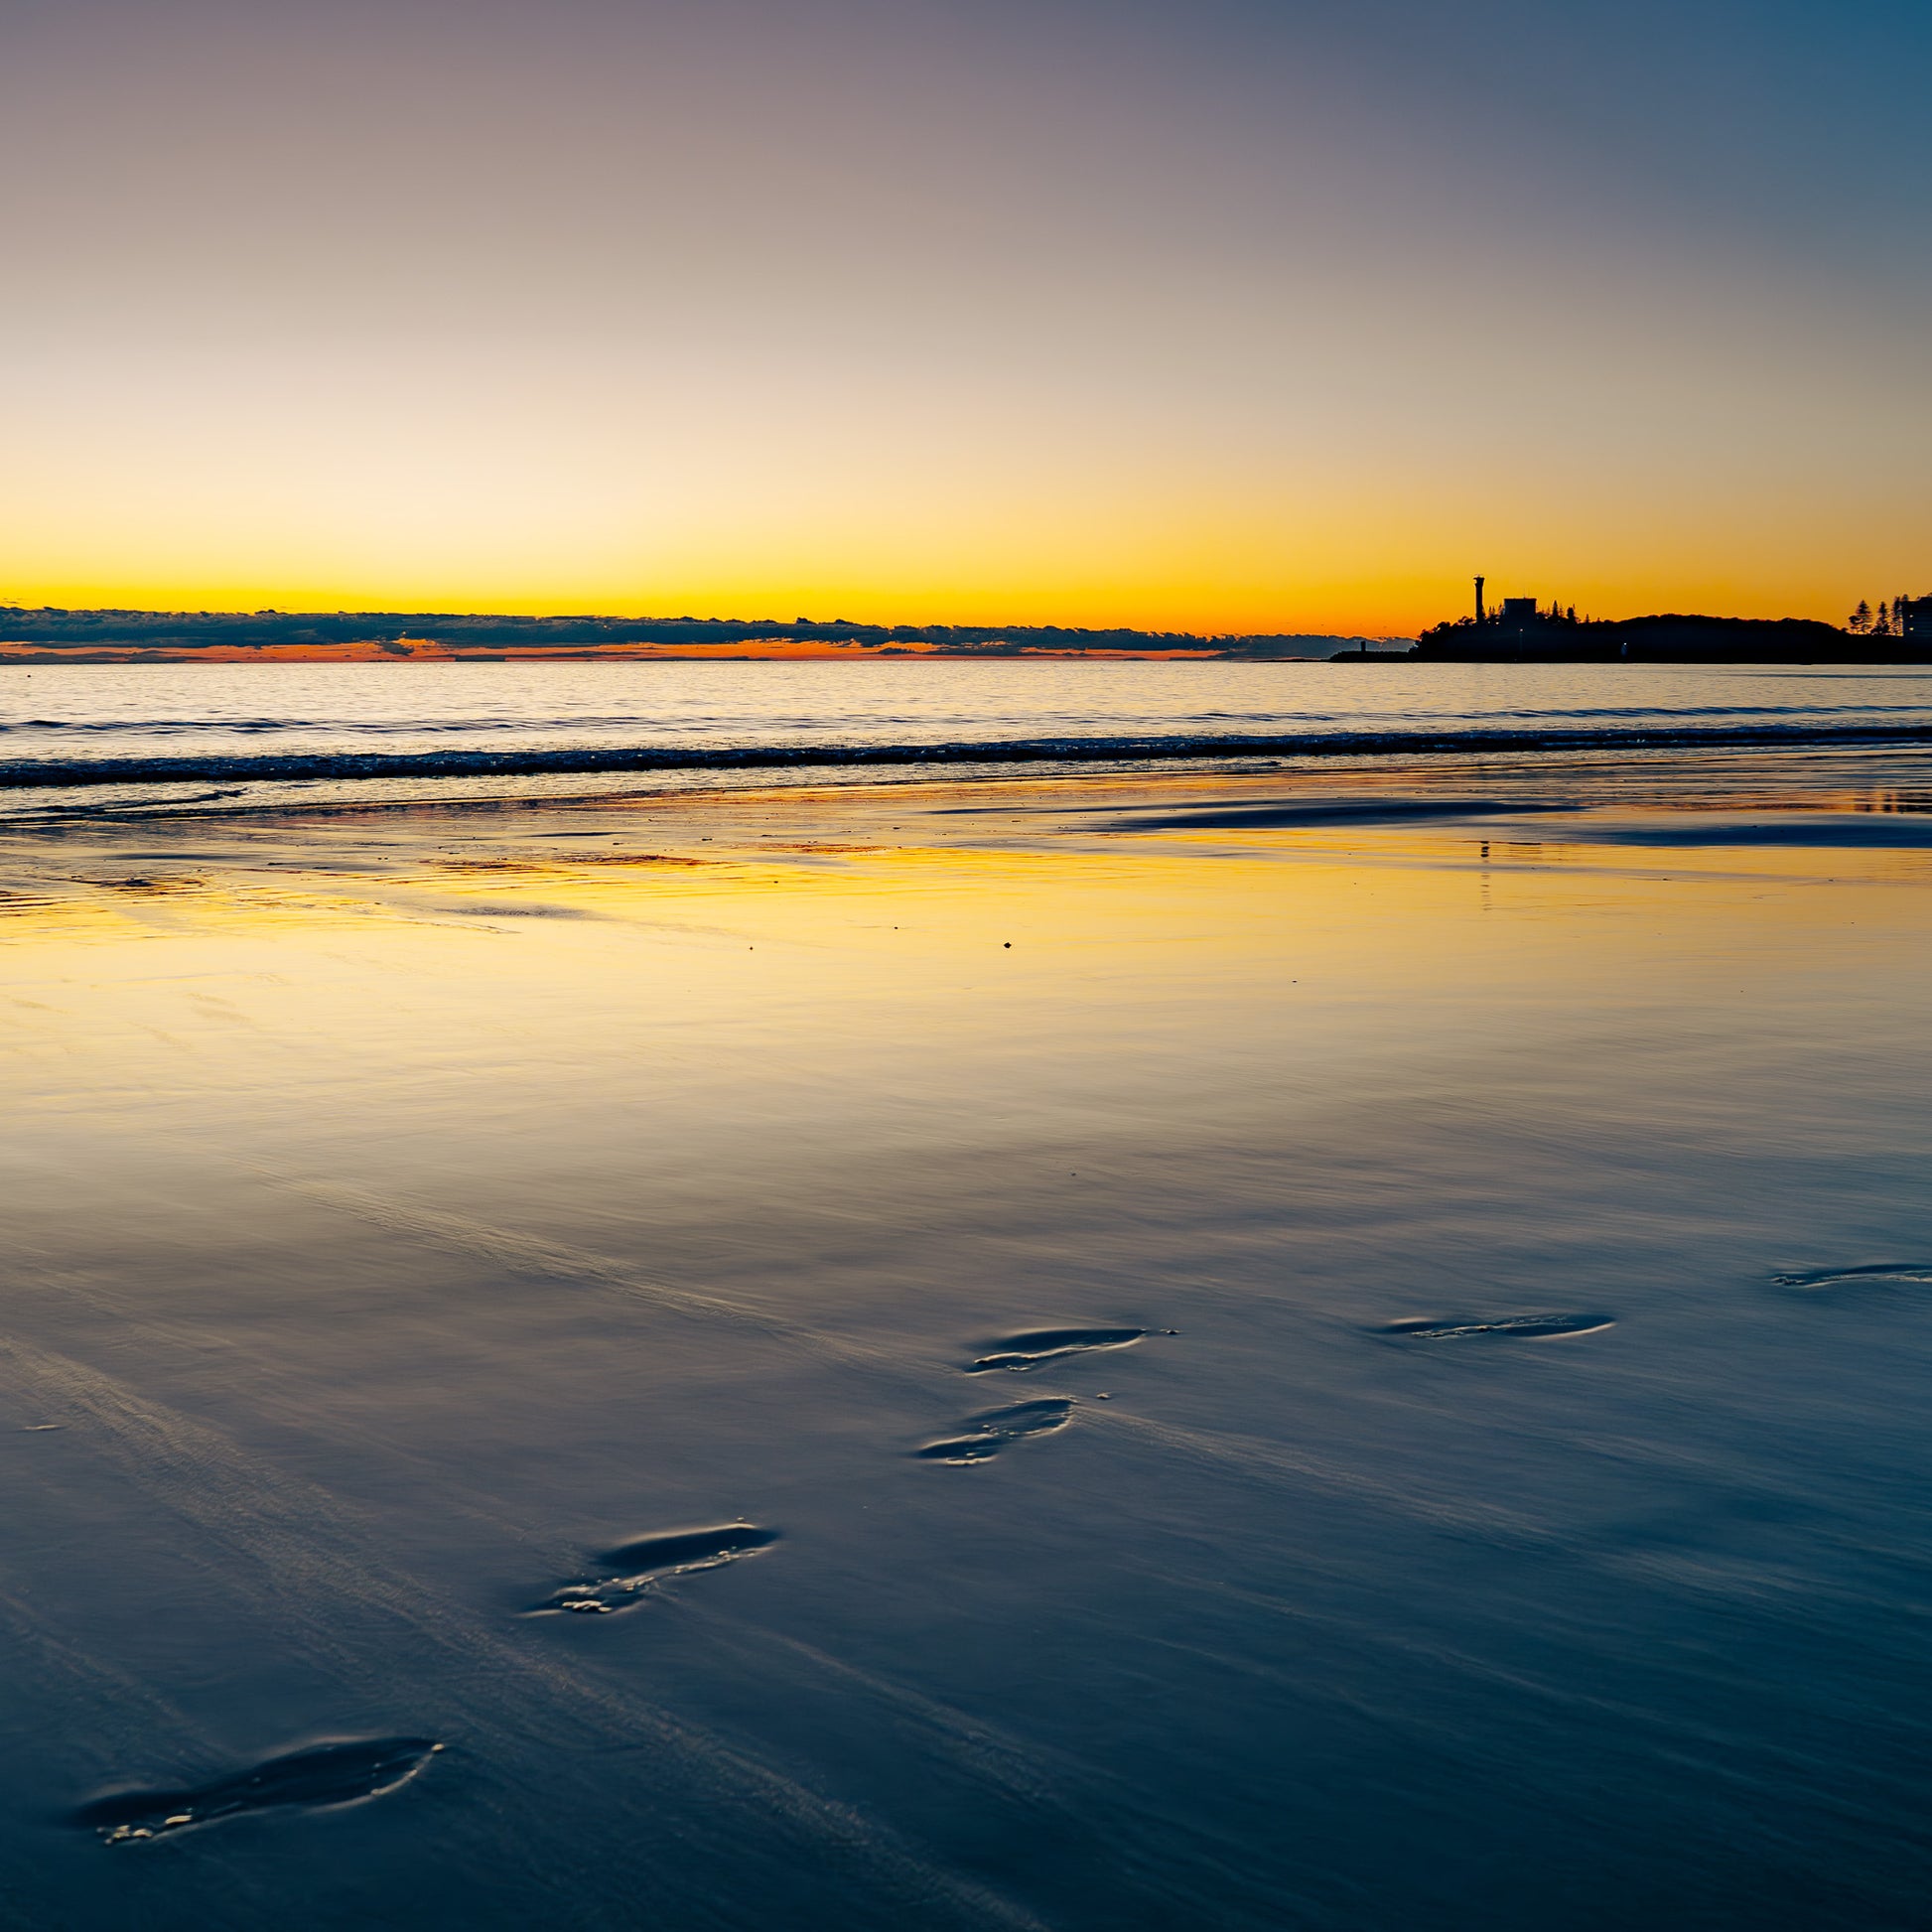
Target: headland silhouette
x,y
1520,629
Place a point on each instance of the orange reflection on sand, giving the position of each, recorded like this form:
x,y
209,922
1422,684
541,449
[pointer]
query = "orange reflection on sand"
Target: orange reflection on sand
x,y
264,956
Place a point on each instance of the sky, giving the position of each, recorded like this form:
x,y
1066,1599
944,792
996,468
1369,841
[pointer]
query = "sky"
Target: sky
x,y
1207,314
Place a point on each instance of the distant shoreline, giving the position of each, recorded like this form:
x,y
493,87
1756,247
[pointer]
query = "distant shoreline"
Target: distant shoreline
x,y
58,637
51,637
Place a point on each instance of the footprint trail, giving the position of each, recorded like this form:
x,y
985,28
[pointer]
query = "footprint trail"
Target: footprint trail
x,y
1503,1327
306,1563
1019,1353
308,1781
632,1569
1912,1272
985,1435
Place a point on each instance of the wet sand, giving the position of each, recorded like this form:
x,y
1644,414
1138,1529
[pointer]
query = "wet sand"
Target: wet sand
x,y
1340,1348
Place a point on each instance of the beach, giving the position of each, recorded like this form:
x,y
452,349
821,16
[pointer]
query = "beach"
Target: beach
x,y
1335,1342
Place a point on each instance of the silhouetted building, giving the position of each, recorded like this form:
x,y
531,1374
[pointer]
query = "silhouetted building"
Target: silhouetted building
x,y
1520,625
1518,632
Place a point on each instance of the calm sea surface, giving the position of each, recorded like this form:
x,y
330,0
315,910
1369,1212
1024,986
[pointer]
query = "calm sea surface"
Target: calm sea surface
x,y
91,725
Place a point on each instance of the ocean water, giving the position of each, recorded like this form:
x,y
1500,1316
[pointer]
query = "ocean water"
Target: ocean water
x,y
97,728
1337,1344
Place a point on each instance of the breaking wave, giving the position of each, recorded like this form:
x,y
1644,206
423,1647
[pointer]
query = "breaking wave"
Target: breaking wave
x,y
507,762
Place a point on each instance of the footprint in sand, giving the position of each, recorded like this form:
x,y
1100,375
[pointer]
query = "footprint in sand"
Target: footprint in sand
x,y
1022,1352
305,1780
982,1437
1501,1328
1908,1271
629,1571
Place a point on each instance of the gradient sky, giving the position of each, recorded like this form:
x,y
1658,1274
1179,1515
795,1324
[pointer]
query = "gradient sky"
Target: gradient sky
x,y
1209,315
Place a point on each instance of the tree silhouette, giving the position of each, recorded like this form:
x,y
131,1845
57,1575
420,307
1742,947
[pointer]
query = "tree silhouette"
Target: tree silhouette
x,y
1861,619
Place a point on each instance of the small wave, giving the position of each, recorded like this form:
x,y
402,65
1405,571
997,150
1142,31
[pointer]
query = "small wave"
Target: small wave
x,y
39,773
